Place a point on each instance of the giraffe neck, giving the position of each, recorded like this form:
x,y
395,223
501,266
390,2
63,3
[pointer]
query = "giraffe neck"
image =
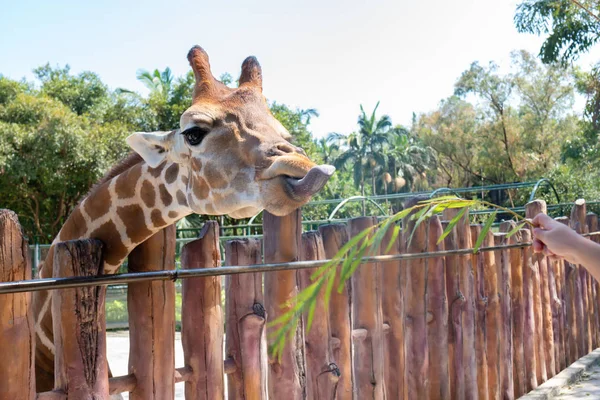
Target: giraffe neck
x,y
127,209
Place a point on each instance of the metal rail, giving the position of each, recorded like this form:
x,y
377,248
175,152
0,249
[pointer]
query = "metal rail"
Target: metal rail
x,y
34,285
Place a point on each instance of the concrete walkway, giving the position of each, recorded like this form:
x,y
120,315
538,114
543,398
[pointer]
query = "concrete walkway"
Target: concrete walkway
x,y
118,355
587,388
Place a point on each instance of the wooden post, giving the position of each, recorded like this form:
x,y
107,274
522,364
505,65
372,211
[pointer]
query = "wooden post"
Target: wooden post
x,y
578,218
246,343
481,327
334,237
559,308
151,308
322,373
592,225
467,285
17,341
202,318
367,325
515,260
79,323
505,364
493,323
415,328
569,306
578,223
437,317
393,319
456,301
529,332
282,243
546,328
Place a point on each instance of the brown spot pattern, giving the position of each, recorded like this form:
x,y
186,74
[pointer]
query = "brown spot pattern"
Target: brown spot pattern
x,y
135,223
75,227
200,188
171,173
98,202
184,179
148,194
115,250
165,196
157,219
210,209
181,198
196,165
173,214
125,186
214,177
240,182
155,172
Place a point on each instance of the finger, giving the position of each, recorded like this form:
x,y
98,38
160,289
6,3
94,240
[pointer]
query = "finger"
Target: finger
x,y
538,246
540,234
547,252
542,220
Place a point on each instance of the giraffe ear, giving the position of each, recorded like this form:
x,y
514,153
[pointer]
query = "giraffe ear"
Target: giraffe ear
x,y
153,147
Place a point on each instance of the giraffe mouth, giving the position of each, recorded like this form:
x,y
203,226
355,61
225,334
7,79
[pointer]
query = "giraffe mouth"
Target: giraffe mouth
x,y
300,189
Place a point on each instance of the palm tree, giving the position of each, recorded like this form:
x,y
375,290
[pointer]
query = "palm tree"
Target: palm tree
x,y
363,149
157,82
407,160
328,147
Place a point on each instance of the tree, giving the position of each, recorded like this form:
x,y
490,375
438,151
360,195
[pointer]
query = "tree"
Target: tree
x,y
81,93
452,132
407,161
363,148
515,131
157,82
49,158
571,28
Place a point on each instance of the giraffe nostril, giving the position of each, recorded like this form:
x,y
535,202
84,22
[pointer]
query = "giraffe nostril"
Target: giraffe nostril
x,y
287,148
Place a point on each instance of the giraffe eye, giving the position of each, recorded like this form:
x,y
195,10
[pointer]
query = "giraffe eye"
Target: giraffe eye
x,y
194,135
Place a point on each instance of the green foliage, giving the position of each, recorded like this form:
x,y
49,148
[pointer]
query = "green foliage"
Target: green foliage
x,y
569,29
386,158
80,93
116,311
50,156
513,132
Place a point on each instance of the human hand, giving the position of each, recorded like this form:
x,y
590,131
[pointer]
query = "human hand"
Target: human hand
x,y
554,239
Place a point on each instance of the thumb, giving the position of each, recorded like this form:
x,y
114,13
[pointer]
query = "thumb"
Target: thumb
x,y
542,220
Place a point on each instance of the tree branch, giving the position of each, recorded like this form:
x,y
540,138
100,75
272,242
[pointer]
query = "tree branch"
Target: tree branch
x,y
587,10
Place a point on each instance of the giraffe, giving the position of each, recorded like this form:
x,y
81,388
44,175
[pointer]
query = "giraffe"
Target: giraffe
x,y
229,156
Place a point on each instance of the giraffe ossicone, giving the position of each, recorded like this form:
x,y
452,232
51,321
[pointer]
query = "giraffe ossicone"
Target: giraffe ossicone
x,y
229,156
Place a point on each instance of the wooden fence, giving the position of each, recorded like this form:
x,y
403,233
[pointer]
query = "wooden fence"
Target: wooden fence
x,y
492,325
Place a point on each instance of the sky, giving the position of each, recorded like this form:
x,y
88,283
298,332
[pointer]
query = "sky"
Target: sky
x,y
329,55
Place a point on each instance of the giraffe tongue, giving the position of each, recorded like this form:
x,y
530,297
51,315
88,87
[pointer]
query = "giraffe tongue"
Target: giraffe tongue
x,y
313,181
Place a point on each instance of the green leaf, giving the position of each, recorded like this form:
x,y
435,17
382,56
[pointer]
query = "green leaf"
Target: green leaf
x,y
452,224
395,234
422,217
515,229
311,315
440,199
484,231
329,289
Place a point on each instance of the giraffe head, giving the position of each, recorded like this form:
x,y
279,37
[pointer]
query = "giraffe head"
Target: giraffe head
x,y
237,155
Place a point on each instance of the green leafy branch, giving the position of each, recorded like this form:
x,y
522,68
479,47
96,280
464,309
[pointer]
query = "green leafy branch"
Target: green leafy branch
x,y
366,244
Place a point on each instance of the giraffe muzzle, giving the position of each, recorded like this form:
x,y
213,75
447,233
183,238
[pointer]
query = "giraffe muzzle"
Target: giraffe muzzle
x,y
301,189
